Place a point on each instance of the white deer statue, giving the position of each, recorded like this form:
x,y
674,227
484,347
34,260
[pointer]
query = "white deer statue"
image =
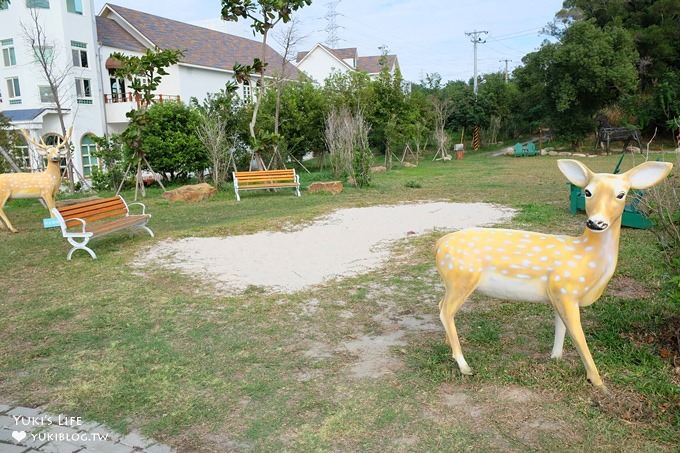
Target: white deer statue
x,y
568,272
42,184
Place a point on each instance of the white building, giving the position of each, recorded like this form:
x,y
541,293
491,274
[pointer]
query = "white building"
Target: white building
x,y
81,42
322,61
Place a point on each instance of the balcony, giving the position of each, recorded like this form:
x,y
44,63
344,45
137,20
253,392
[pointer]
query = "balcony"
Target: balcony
x,y
117,105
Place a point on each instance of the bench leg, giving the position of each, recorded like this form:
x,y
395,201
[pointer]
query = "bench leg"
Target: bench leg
x,y
148,230
79,246
297,191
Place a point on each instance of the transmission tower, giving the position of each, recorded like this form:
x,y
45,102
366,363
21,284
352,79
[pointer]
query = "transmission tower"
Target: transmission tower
x,y
332,26
476,39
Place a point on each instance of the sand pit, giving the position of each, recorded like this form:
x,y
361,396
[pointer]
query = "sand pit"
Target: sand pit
x,y
345,243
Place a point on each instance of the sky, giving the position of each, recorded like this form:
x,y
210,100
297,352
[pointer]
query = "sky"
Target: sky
x,y
428,36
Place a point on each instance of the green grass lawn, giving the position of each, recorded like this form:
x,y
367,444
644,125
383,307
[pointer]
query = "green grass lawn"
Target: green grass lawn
x,y
158,351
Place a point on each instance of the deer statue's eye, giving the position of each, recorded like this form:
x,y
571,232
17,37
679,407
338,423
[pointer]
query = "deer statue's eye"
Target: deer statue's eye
x,y
621,195
588,193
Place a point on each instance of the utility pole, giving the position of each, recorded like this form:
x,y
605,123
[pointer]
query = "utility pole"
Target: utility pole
x,y
506,68
476,39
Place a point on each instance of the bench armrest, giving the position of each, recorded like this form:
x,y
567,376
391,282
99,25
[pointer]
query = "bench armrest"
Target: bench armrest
x,y
64,229
81,233
140,204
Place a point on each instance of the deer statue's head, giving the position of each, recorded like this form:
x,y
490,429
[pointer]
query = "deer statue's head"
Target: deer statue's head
x,y
53,152
605,193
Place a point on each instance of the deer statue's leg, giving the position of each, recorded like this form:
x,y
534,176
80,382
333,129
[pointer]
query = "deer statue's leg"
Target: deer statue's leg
x,y
569,312
3,216
49,201
560,330
448,307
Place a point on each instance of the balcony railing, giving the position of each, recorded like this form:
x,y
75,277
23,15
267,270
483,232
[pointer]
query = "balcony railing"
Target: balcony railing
x,y
131,97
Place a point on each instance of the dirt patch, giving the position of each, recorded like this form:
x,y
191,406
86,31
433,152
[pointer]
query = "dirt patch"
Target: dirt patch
x,y
624,287
345,243
494,412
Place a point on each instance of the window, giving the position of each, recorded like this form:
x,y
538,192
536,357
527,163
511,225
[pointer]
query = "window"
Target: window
x,y
13,89
247,97
84,91
74,6
46,94
87,149
22,157
38,4
44,54
79,53
8,56
4,4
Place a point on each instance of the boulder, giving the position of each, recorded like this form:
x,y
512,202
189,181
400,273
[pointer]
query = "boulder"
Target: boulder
x,y
196,192
334,187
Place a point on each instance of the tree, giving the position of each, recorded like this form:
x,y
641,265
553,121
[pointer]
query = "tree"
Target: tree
x,y
55,74
8,138
144,74
217,129
587,70
302,111
169,140
441,109
264,14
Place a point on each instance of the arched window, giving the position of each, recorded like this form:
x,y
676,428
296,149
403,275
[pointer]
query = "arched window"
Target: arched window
x,y
87,148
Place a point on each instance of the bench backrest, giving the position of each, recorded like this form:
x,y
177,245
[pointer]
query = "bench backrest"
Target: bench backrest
x,y
264,176
94,210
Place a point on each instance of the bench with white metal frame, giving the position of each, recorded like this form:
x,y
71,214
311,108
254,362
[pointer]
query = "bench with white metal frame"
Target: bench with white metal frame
x,y
266,179
97,218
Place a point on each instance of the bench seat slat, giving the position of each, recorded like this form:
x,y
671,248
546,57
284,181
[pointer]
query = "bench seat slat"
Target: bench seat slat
x,y
100,229
80,207
265,186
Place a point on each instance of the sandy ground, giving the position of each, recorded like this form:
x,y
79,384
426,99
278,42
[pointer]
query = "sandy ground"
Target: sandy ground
x,y
345,243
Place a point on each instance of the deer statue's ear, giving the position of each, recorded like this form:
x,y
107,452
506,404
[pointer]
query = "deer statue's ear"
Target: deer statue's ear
x,y
648,174
577,173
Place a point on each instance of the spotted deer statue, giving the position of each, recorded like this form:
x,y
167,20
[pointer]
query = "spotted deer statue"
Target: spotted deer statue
x,y
568,272
42,184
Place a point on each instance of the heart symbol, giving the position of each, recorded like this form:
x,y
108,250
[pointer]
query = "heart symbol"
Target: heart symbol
x,y
19,435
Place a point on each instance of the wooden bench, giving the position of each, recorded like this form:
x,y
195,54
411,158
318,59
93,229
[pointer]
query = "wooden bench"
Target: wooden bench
x,y
265,179
95,218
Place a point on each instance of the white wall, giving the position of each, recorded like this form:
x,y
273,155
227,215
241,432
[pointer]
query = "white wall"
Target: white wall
x,y
198,82
318,65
